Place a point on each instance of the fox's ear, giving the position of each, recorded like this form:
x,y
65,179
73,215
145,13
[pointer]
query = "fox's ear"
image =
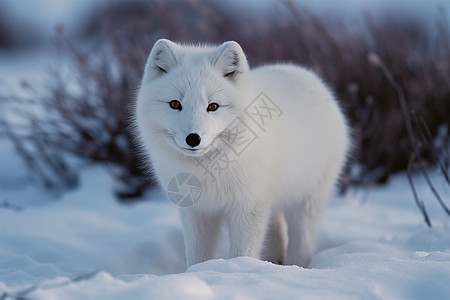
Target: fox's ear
x,y
162,58
230,60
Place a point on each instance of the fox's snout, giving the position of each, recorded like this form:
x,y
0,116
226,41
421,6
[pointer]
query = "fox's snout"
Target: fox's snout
x,y
193,140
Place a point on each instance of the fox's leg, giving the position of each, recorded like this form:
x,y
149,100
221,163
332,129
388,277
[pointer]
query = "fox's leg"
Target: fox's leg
x,y
247,228
301,219
276,240
200,233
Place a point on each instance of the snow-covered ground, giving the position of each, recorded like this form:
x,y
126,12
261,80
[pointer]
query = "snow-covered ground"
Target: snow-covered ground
x,y
86,245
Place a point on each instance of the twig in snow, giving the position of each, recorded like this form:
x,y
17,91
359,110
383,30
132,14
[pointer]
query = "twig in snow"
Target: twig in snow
x,y
22,295
419,203
7,205
375,60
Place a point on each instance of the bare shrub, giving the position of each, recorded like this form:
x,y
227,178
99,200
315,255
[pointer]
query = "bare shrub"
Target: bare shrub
x,y
83,109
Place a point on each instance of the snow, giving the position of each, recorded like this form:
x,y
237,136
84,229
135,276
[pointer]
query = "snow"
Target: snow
x,y
86,245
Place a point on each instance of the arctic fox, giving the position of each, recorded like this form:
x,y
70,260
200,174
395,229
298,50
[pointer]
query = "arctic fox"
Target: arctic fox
x,y
266,146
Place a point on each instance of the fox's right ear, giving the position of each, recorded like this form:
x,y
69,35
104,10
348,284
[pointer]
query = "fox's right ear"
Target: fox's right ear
x,y
161,59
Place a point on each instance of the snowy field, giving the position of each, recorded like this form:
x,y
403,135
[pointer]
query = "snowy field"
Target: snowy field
x,y
86,245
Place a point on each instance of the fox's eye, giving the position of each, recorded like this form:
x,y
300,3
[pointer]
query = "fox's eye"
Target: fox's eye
x,y
212,107
175,104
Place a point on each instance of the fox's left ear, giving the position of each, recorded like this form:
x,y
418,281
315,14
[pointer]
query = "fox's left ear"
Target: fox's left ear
x,y
230,60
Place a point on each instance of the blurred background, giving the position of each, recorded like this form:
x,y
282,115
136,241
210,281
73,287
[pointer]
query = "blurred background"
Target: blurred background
x,y
69,70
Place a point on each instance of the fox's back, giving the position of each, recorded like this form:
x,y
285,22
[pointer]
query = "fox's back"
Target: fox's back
x,y
307,134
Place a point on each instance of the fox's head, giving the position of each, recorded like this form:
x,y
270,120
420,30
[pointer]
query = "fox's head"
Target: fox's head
x,y
189,95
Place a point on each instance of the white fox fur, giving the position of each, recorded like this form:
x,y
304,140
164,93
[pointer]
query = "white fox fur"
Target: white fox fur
x,y
271,193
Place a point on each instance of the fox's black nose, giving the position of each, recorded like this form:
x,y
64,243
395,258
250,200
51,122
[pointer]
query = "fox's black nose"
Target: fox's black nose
x,y
193,140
